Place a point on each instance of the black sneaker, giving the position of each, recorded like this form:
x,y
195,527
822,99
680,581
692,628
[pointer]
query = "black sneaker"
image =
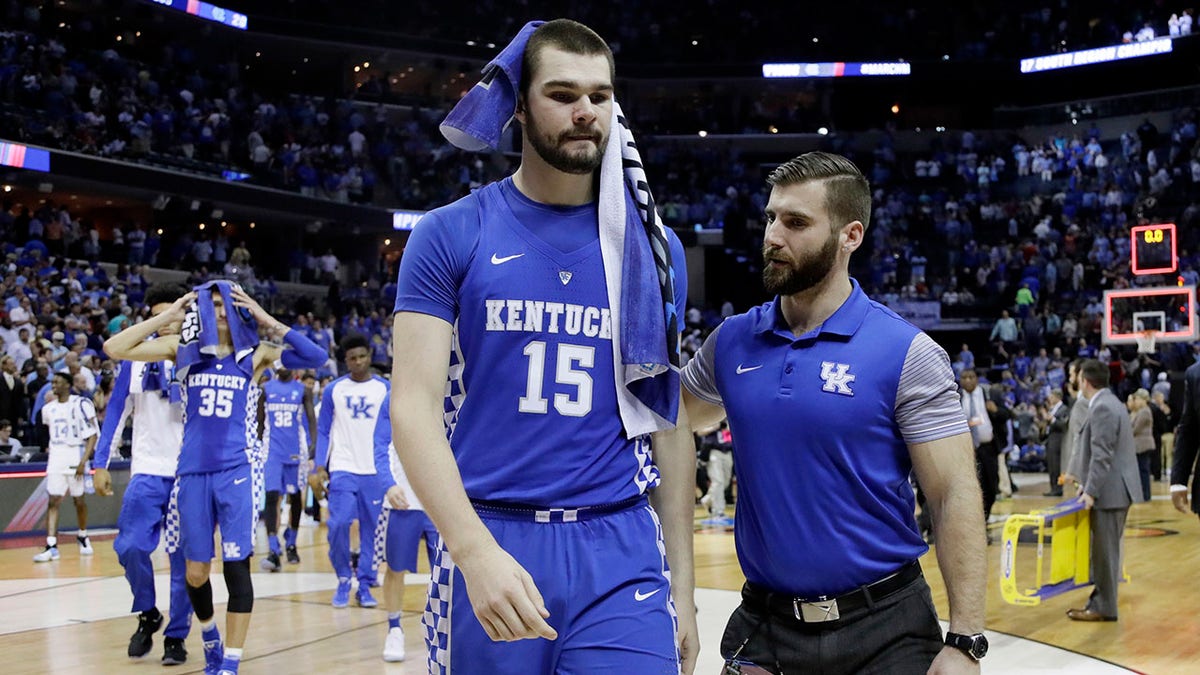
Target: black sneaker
x,y
270,563
353,561
293,556
174,653
141,641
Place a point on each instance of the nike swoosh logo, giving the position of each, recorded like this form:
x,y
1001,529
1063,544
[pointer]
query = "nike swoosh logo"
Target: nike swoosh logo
x,y
239,481
743,369
377,501
639,596
501,261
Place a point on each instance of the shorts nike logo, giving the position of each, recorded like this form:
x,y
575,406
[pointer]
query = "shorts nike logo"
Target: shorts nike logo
x,y
377,501
239,481
639,596
501,261
743,369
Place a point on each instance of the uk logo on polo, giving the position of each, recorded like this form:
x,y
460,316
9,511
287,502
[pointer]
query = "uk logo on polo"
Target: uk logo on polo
x,y
837,378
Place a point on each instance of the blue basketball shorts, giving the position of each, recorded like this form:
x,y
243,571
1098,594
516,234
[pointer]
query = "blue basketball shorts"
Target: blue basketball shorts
x,y
220,499
404,529
605,581
282,477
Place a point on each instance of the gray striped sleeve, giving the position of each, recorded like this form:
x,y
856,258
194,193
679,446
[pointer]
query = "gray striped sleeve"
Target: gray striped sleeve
x,y
927,405
699,375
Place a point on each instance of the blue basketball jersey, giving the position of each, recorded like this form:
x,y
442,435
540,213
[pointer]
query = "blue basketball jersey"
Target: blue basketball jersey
x,y
220,423
286,427
531,403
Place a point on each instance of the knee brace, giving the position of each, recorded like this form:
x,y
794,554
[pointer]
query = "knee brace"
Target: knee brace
x,y
271,515
201,597
241,589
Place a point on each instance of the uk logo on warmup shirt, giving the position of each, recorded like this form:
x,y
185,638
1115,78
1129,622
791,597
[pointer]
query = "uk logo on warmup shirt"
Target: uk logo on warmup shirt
x,y
359,408
837,378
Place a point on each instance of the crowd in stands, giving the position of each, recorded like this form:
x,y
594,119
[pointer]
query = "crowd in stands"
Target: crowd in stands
x,y
721,31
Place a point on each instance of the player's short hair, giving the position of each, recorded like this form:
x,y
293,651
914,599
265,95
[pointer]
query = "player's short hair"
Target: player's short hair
x,y
70,380
847,192
164,292
353,341
1094,372
5,424
568,36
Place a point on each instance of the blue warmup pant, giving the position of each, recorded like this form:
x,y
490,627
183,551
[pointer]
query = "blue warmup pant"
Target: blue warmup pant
x,y
404,529
604,579
140,525
353,497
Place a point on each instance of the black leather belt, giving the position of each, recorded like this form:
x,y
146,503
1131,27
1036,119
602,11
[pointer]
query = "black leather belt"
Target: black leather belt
x,y
821,609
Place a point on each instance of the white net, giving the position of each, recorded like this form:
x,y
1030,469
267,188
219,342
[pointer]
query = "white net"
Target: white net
x,y
1145,341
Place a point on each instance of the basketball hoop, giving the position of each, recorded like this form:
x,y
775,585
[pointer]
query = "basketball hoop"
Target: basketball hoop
x,y
1145,341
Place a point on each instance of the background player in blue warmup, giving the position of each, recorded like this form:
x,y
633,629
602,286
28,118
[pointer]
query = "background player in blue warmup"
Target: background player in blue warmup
x,y
143,393
218,361
833,400
345,459
402,525
290,433
539,495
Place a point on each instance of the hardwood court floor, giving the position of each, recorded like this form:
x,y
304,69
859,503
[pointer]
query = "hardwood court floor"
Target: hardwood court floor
x,y
70,616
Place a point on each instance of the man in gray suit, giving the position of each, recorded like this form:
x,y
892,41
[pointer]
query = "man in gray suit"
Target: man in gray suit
x,y
1078,415
1105,466
1056,416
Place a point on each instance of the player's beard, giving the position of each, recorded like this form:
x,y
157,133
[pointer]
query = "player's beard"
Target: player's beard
x,y
552,152
799,275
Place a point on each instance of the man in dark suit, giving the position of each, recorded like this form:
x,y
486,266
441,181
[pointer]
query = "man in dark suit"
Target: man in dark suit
x,y
1057,417
1105,466
12,394
1187,439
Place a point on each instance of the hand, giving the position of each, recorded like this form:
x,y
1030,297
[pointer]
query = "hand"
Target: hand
x,y
243,301
991,406
1068,479
81,470
1180,500
395,498
178,309
951,660
1088,500
506,601
688,637
102,480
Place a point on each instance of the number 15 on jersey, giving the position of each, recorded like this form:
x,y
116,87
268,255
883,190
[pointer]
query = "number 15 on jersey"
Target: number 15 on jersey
x,y
571,365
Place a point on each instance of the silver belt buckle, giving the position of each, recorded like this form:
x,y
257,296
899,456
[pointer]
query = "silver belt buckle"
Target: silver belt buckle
x,y
816,611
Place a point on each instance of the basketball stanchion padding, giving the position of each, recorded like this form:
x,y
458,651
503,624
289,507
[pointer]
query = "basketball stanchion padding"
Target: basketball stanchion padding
x,y
1068,527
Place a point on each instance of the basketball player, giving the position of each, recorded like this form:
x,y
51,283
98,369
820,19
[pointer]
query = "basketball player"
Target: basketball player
x,y
143,393
218,357
403,524
345,460
539,495
290,423
833,401
71,420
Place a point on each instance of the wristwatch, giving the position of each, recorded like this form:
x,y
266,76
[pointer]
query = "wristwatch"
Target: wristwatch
x,y
974,646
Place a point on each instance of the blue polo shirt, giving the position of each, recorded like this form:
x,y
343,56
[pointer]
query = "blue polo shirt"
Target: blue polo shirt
x,y
821,424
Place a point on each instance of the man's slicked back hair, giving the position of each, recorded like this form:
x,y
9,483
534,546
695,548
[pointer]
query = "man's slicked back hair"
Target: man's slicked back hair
x,y
847,192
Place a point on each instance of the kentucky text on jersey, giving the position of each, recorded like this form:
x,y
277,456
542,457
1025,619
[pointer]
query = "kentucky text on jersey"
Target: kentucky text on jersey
x,y
216,380
537,316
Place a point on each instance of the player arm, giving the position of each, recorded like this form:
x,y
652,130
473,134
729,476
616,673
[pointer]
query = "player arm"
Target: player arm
x,y
674,500
310,418
931,421
700,396
381,441
131,344
93,433
118,412
503,595
324,424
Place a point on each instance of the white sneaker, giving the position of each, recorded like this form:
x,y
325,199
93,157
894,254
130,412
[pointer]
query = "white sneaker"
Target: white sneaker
x,y
393,646
85,546
50,553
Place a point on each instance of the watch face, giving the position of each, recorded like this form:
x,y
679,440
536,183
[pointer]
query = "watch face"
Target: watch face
x,y
979,647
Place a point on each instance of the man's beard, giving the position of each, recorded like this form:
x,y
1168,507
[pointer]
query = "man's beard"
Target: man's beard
x,y
554,154
800,275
